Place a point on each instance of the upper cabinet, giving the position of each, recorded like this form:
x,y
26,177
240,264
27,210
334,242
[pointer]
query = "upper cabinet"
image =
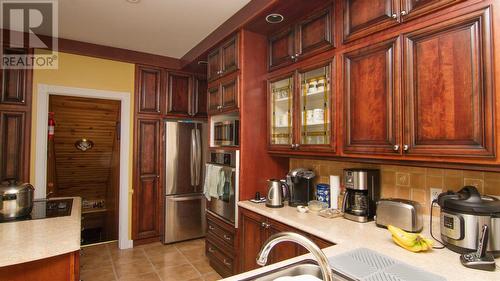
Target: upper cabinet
x,y
150,88
446,105
180,91
309,36
365,17
200,97
223,95
300,117
223,60
14,82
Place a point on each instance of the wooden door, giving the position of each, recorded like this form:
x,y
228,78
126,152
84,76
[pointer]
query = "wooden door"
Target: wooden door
x,y
253,234
449,91
229,94
147,192
281,48
364,17
214,65
149,89
229,56
415,8
12,150
284,250
371,99
214,99
180,89
315,33
200,97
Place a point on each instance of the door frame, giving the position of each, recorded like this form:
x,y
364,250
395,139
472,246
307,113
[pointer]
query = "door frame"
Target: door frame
x,y
42,111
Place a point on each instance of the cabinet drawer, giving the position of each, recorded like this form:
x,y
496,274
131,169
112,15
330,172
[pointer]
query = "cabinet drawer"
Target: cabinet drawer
x,y
223,263
220,232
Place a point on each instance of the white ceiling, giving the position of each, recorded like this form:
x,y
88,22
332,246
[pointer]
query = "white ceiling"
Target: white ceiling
x,y
164,27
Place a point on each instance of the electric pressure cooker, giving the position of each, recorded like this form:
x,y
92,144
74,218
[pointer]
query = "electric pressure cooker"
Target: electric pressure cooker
x,y
463,215
16,199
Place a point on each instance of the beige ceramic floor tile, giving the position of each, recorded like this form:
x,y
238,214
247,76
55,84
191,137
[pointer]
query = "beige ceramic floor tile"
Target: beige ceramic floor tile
x,y
191,244
144,277
95,261
133,269
128,256
161,261
98,274
203,266
212,276
195,254
179,273
160,249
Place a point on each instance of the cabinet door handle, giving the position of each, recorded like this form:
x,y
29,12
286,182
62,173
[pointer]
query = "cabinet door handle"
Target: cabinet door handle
x,y
211,250
395,147
292,146
227,263
211,227
227,237
263,224
297,146
394,16
403,13
406,147
292,57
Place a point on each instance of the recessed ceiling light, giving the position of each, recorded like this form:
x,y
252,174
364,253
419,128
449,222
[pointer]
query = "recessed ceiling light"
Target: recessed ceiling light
x,y
134,1
274,18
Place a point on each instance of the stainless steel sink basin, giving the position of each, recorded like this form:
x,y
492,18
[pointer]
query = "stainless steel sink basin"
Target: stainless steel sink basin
x,y
309,267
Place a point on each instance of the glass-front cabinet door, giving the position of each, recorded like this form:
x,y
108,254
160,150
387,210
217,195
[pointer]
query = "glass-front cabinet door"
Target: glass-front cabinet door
x,y
281,111
315,106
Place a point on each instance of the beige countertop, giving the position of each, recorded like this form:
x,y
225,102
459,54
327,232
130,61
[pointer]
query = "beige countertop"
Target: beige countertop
x,y
30,240
349,235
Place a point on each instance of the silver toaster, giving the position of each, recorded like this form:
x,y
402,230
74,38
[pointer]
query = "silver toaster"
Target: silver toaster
x,y
405,214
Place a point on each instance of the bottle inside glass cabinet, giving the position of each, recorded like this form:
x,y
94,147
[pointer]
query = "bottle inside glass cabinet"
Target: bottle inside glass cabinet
x,y
282,114
315,106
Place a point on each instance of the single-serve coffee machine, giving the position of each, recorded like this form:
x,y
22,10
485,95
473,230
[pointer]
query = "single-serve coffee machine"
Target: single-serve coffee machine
x,y
300,186
362,191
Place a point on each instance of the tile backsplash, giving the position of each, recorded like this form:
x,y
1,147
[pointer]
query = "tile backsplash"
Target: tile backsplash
x,y
407,182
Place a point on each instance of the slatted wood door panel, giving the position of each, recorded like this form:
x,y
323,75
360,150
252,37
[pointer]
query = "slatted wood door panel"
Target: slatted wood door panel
x,y
147,191
214,99
149,90
229,94
364,17
229,56
15,83
213,68
371,99
315,33
180,88
12,152
449,89
416,8
281,48
200,97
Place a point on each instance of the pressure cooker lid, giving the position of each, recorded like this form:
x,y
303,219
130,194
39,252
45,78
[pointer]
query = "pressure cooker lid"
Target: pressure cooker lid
x,y
8,186
469,200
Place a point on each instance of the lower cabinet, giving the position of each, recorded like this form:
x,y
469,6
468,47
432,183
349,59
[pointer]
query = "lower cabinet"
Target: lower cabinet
x,y
255,229
221,245
64,267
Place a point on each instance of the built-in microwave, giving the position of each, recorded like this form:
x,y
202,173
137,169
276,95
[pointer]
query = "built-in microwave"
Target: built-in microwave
x,y
227,133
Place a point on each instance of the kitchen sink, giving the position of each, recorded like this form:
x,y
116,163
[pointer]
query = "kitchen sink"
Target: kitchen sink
x,y
305,267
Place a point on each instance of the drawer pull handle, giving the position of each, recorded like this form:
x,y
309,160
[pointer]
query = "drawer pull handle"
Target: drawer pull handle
x,y
226,262
211,250
227,237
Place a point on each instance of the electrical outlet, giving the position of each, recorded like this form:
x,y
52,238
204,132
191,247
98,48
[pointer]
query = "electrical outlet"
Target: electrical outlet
x,y
435,193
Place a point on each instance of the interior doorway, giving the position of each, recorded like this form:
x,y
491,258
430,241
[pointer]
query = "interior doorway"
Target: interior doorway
x,y
83,159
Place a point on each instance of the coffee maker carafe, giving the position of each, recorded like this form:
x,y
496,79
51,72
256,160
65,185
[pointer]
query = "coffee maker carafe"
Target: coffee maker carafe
x,y
300,186
361,194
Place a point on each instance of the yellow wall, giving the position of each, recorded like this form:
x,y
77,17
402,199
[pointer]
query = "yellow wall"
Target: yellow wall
x,y
86,72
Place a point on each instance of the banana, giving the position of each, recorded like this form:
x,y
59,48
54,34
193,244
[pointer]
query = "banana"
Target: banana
x,y
410,241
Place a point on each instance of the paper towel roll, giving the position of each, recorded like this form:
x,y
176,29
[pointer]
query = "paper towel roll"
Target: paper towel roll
x,y
334,191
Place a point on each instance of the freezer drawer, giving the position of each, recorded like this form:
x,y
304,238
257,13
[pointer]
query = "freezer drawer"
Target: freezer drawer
x,y
184,217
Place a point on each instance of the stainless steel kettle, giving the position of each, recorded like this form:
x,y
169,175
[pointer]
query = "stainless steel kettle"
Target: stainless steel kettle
x,y
276,194
16,199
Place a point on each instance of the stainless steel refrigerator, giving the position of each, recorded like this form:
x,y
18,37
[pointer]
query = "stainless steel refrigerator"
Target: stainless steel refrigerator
x,y
185,156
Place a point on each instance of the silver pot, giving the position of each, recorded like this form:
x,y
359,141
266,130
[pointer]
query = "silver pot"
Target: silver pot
x,y
16,199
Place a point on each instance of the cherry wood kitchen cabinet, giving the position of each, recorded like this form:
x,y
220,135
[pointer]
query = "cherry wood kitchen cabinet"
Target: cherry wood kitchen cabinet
x,y
371,99
300,110
149,81
449,94
255,229
15,120
147,211
221,245
309,36
200,98
223,95
64,267
365,17
180,94
223,60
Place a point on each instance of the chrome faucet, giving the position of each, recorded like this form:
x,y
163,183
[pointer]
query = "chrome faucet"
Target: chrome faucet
x,y
304,242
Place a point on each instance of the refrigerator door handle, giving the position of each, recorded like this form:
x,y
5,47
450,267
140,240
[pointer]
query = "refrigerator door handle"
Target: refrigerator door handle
x,y
192,161
198,156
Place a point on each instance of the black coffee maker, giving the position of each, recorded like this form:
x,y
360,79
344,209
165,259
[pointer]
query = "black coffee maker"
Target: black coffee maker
x,y
300,186
362,191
